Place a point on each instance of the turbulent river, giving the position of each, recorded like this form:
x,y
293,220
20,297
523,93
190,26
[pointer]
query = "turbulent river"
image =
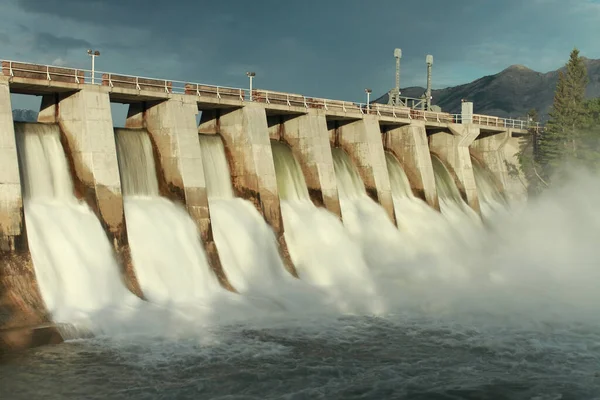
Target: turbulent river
x,y
442,307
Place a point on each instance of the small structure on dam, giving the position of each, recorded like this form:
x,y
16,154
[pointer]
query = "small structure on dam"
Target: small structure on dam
x,y
76,104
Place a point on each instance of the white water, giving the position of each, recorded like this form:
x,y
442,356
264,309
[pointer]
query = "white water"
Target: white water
x,y
321,249
167,253
366,221
491,200
452,205
246,243
74,262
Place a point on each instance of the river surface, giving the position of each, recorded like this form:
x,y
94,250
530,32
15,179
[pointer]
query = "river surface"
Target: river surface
x,y
392,357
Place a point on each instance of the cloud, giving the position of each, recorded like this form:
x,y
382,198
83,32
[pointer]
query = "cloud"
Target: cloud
x,y
49,43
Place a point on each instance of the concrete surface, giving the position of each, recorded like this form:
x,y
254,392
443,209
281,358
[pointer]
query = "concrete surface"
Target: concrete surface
x,y
409,144
245,135
21,303
86,124
308,138
362,141
453,148
171,125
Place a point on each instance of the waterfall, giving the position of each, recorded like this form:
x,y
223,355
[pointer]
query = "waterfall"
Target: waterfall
x,y
167,254
216,169
246,243
74,263
428,237
320,247
491,200
419,222
452,204
366,221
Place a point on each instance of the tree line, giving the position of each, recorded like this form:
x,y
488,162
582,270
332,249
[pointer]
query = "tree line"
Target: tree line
x,y
571,137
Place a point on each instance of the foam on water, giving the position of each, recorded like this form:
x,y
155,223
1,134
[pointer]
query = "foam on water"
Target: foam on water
x,y
246,243
74,262
167,252
320,247
491,201
165,245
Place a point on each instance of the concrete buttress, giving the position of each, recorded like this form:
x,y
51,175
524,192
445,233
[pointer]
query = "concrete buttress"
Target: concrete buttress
x,y
245,135
309,140
21,304
361,139
489,149
453,148
409,145
87,131
171,125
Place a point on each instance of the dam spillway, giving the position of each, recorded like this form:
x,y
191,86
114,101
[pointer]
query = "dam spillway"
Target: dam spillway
x,y
215,198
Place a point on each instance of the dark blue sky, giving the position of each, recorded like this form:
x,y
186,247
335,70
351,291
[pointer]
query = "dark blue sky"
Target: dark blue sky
x,y
325,48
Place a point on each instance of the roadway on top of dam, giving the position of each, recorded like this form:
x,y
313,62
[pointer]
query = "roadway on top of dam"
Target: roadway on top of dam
x,y
35,79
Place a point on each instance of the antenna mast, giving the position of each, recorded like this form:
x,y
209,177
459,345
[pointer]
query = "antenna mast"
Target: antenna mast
x,y
429,61
394,98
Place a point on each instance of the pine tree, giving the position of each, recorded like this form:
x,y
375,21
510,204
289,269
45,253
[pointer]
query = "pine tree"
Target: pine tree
x,y
562,137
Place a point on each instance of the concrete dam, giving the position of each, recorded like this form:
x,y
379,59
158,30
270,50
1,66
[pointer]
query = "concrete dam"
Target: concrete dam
x,y
211,194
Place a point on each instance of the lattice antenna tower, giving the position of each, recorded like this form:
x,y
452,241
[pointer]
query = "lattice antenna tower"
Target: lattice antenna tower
x,y
394,97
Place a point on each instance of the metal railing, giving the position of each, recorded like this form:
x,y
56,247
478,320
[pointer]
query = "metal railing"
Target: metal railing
x,y
411,109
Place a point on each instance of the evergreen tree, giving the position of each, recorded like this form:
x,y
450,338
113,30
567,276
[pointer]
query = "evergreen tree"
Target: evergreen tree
x,y
564,134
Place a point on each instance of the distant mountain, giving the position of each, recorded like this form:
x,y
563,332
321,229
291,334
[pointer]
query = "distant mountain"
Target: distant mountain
x,y
21,115
510,93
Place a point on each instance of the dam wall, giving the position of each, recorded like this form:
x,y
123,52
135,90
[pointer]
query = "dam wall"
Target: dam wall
x,y
452,146
409,144
308,138
22,310
173,132
87,134
309,126
245,135
362,141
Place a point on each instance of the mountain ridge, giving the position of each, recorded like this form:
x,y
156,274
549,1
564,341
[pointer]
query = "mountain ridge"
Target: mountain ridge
x,y
511,92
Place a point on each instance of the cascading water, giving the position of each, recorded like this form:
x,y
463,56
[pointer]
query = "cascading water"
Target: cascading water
x,y
169,259
520,322
452,204
491,200
75,267
367,221
321,249
427,235
246,244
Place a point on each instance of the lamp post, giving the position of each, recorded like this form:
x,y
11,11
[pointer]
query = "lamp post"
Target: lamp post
x,y
368,92
251,75
93,54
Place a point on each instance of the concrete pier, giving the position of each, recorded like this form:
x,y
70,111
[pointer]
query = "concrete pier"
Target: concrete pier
x,y
453,148
86,126
409,144
21,304
362,141
172,128
246,139
516,188
308,138
489,149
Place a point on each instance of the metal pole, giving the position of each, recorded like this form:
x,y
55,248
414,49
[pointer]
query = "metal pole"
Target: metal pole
x,y
251,75
368,91
395,100
429,61
93,67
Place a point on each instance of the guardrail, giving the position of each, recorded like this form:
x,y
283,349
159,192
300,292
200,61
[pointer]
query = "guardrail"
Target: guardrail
x,y
412,109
